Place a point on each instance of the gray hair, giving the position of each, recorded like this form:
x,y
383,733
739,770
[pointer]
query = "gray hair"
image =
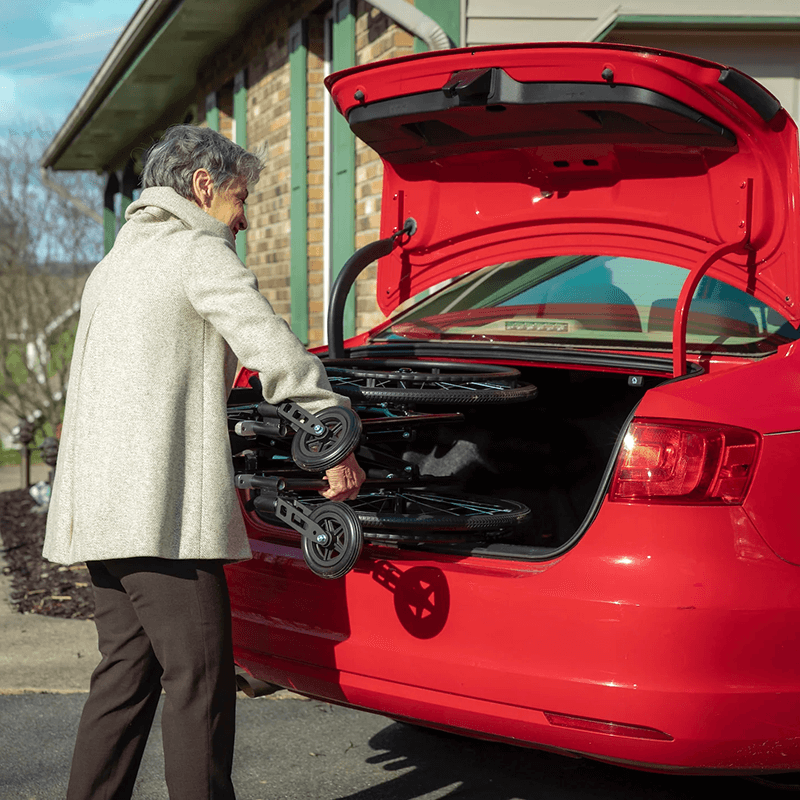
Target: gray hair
x,y
183,149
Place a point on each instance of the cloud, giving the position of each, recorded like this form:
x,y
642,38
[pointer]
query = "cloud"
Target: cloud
x,y
80,17
49,55
81,38
101,48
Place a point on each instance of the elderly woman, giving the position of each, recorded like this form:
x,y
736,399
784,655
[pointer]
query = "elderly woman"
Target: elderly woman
x,y
144,491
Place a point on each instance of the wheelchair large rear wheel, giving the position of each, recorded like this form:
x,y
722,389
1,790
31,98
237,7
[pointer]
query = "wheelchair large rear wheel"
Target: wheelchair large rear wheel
x,y
426,382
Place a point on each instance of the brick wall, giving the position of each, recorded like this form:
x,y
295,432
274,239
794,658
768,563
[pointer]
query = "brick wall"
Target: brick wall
x,y
263,52
268,126
377,38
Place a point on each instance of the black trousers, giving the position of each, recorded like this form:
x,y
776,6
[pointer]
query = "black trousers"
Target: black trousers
x,y
160,624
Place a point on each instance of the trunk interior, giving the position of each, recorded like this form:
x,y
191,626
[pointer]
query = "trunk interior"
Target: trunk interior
x,y
551,453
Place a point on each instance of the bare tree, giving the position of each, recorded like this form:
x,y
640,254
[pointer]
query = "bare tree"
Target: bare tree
x,y
47,248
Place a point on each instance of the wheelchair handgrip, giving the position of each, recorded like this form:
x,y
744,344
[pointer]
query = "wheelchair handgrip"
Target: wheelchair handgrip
x,y
266,409
274,484
270,427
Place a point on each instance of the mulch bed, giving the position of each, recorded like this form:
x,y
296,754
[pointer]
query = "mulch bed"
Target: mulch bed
x,y
39,587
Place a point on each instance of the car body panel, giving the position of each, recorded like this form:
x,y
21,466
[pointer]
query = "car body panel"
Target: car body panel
x,y
733,398
664,200
593,635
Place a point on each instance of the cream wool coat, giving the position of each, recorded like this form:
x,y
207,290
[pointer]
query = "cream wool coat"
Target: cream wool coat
x,y
144,467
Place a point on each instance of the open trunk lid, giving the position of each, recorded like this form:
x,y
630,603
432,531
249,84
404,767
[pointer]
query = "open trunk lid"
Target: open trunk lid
x,y
518,151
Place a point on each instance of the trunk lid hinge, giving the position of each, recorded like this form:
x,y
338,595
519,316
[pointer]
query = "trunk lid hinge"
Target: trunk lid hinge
x,y
680,322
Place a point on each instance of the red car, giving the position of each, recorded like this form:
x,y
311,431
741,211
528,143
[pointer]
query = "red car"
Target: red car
x,y
580,420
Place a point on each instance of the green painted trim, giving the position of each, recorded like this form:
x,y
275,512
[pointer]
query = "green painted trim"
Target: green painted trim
x,y
240,118
212,111
109,229
298,113
123,207
343,160
240,109
447,13
705,21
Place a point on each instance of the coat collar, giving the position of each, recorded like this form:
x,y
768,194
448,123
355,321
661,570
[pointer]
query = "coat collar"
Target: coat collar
x,y
167,199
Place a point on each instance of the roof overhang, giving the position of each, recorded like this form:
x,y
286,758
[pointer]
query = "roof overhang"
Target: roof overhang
x,y
147,81
615,19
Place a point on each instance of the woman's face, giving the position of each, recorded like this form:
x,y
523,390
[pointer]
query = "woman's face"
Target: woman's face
x,y
227,204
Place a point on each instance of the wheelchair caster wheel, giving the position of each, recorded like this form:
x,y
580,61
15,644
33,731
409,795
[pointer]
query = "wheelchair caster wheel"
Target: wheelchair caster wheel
x,y
338,556
317,452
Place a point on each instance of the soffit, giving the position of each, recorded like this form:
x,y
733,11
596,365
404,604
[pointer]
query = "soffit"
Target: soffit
x,y
157,79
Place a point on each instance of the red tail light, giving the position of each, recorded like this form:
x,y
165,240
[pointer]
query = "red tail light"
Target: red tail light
x,y
667,461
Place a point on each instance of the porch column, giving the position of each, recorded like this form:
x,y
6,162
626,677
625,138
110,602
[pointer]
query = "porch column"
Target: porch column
x,y
129,181
109,211
343,159
212,111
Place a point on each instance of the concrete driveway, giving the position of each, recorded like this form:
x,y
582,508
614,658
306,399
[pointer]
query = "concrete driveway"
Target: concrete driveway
x,y
41,654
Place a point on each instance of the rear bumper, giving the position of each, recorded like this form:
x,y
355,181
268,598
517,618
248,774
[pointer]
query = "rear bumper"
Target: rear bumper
x,y
710,744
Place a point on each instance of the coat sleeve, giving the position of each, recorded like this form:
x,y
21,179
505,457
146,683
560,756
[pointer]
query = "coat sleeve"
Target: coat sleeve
x,y
225,293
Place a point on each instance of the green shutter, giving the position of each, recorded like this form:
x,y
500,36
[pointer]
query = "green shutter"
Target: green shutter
x,y
240,122
343,159
298,278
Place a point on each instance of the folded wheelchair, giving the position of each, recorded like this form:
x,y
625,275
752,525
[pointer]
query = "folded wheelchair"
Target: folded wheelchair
x,y
280,453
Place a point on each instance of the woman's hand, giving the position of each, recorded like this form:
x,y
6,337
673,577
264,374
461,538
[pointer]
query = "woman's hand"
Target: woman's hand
x,y
344,480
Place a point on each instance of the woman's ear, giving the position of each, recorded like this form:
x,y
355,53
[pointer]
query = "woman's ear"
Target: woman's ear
x,y
202,188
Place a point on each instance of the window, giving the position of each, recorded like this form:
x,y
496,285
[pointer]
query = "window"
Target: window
x,y
598,301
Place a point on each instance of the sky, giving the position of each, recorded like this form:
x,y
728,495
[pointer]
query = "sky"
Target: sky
x,y
49,51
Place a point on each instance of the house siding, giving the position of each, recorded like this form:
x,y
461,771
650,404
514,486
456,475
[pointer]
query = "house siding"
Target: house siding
x,y
760,39
497,21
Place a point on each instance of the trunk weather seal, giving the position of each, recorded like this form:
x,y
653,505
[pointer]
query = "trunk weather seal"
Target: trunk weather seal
x,y
633,364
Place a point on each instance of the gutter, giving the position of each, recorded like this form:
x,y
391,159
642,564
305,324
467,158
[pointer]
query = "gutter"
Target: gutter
x,y
133,38
414,21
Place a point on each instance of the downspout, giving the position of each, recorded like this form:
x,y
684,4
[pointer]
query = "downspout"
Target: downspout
x,y
414,21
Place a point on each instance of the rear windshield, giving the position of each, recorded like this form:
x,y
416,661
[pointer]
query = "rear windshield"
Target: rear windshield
x,y
589,301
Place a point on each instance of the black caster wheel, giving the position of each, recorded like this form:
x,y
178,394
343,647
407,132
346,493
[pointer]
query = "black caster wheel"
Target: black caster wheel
x,y
319,452
338,557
